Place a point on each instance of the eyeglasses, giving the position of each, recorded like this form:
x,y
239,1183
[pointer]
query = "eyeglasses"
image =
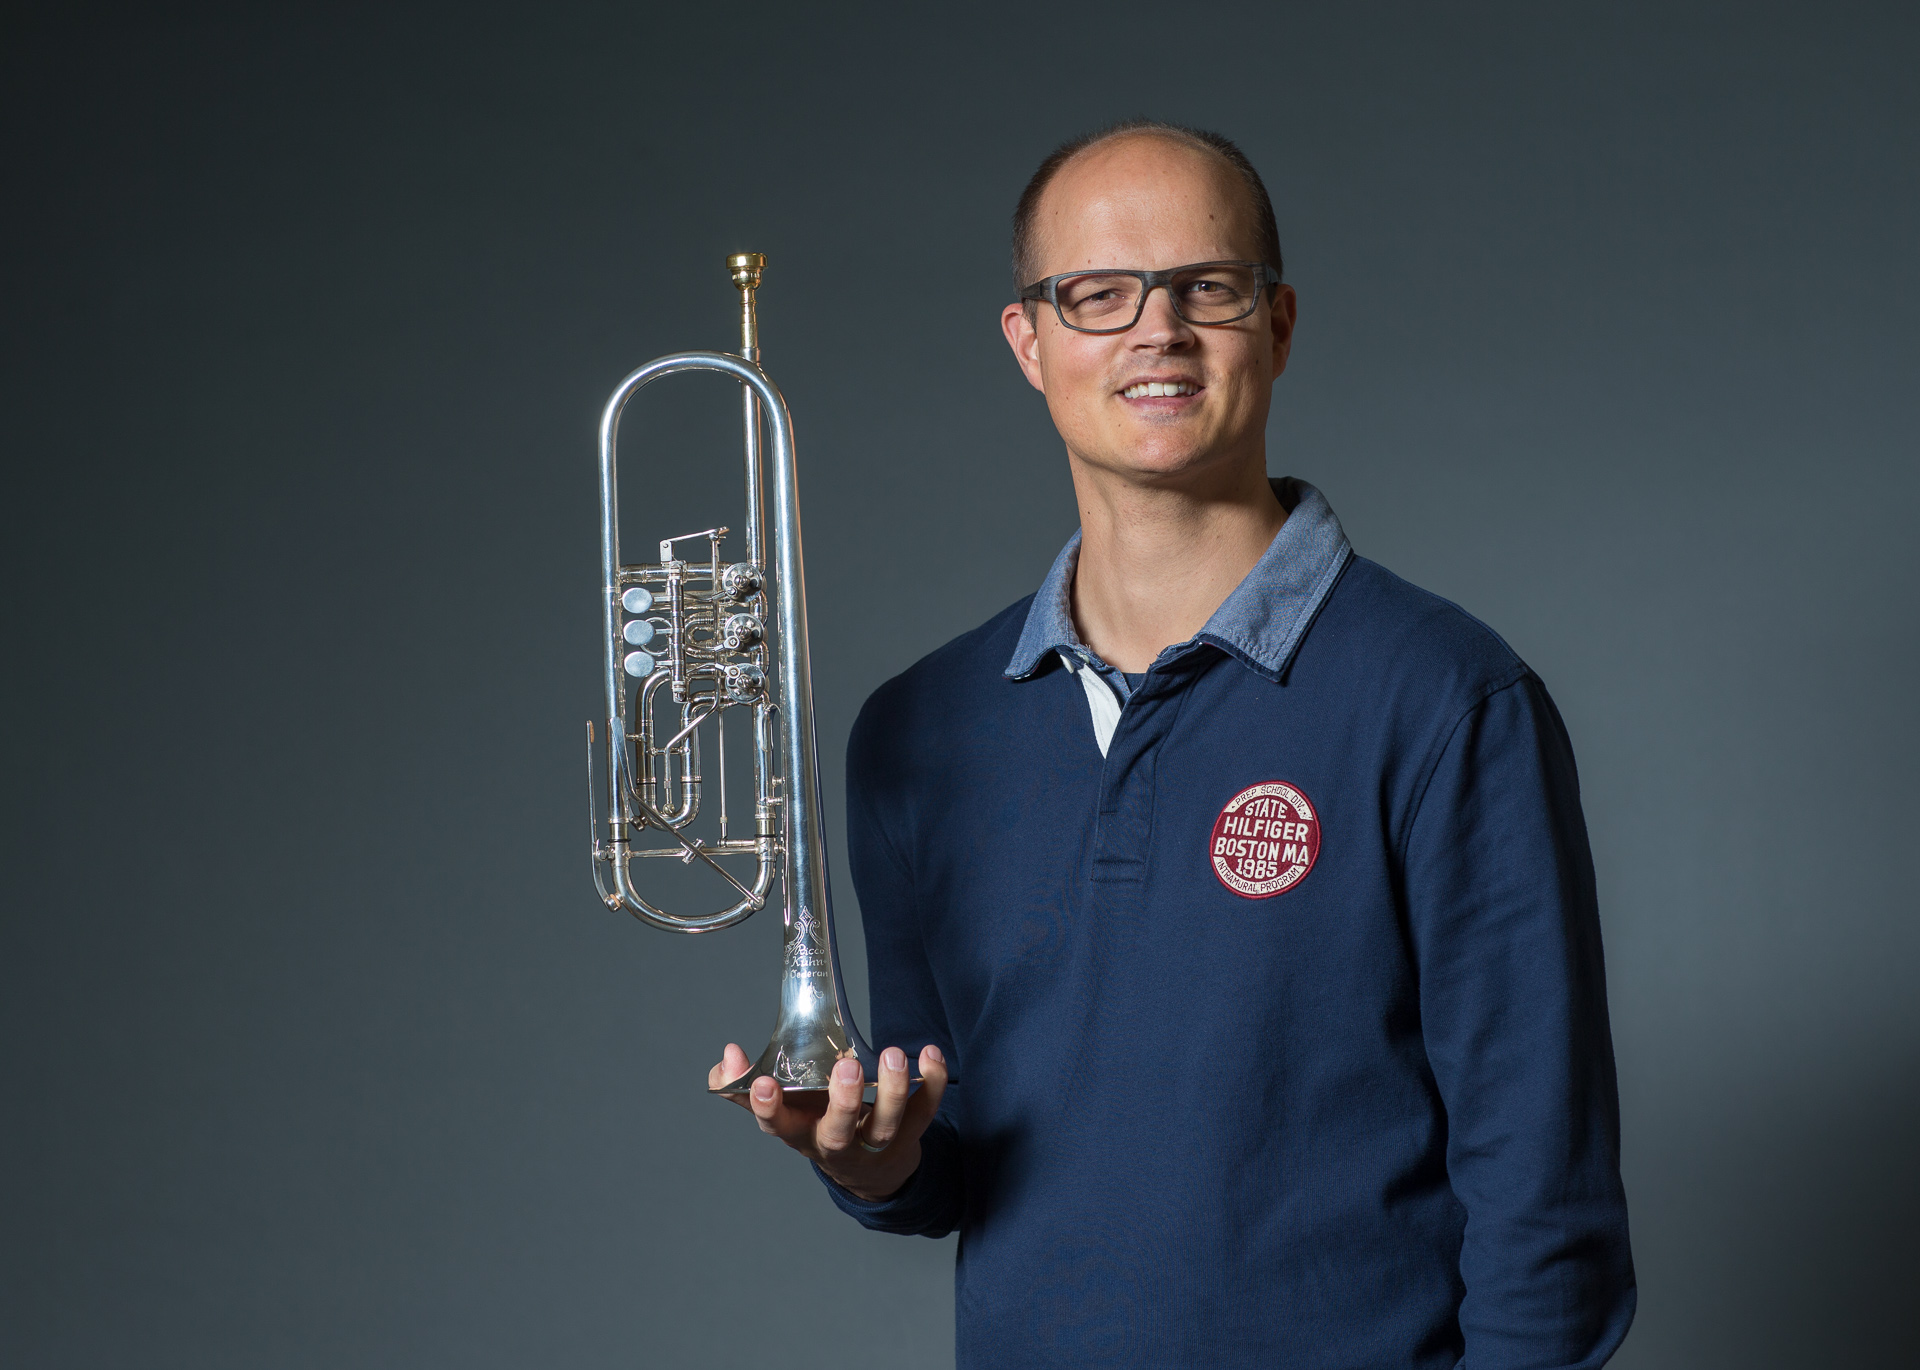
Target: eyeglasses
x,y
1112,301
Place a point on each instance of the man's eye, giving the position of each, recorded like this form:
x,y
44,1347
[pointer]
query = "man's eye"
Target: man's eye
x,y
1100,301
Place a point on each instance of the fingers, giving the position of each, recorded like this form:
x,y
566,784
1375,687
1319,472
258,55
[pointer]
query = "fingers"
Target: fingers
x,y
790,1117
835,1131
889,1099
765,1103
920,1108
827,1126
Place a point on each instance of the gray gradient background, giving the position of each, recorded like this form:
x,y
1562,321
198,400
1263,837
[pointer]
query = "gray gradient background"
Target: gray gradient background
x,y
318,1049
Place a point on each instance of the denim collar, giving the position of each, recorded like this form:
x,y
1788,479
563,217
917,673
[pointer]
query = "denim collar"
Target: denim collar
x,y
1261,622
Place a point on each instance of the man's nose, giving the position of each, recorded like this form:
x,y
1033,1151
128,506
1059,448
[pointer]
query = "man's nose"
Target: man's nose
x,y
1159,323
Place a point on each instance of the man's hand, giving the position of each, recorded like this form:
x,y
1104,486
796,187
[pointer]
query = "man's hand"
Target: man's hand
x,y
836,1130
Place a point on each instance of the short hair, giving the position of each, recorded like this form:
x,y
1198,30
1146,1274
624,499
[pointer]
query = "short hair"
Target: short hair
x,y
1220,145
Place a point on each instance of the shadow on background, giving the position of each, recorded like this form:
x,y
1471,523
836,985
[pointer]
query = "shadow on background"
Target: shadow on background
x,y
1785,1237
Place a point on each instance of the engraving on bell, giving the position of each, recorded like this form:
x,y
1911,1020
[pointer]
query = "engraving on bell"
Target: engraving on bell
x,y
803,952
804,1073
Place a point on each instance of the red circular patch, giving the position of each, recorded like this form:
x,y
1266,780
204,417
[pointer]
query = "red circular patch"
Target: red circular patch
x,y
1265,840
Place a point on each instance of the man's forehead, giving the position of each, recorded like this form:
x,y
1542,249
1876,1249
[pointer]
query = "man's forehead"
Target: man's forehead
x,y
1148,195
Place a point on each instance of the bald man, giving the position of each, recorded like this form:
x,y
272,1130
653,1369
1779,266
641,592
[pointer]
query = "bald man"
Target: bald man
x,y
1232,893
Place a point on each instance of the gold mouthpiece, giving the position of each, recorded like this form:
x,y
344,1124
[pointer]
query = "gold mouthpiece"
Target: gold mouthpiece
x,y
746,268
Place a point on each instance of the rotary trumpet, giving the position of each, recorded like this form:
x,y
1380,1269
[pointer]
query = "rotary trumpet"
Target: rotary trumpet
x,y
697,641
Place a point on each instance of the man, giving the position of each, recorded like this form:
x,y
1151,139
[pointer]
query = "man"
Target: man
x,y
1241,886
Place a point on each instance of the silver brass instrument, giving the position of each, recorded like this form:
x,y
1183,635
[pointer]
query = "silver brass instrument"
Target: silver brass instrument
x,y
690,641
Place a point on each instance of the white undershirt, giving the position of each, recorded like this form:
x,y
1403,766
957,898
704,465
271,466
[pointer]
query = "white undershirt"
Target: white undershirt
x,y
1101,700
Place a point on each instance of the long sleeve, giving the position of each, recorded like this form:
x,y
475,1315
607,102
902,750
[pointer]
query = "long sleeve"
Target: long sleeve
x,y
1500,895
907,1012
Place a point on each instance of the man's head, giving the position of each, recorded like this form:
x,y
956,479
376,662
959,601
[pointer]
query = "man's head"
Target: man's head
x,y
1151,197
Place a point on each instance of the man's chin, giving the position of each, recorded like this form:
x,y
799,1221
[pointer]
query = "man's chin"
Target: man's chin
x,y
1161,465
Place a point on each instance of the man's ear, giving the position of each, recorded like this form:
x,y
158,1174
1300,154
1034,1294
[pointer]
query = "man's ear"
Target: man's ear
x,y
1281,315
1016,321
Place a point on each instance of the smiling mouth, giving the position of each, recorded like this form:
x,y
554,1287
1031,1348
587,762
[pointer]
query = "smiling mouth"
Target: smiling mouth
x,y
1146,390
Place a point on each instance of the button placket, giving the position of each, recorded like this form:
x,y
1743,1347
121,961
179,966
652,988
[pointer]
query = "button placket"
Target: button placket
x,y
1123,841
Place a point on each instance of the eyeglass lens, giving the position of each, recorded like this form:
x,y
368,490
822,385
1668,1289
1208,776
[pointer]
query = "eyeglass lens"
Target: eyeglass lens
x,y
1204,294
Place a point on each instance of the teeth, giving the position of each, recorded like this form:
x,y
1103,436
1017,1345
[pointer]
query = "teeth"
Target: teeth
x,y
1155,389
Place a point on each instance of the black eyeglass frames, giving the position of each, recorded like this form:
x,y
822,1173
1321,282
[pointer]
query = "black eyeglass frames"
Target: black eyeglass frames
x,y
1112,300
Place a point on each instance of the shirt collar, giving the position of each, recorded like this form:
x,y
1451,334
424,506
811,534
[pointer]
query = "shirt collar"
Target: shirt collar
x,y
1261,622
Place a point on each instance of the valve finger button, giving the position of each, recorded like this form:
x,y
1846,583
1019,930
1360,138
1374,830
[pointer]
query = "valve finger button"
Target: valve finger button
x,y
638,631
744,684
741,631
639,665
637,600
740,580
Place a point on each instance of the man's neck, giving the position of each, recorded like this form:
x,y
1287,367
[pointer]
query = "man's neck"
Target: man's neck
x,y
1156,561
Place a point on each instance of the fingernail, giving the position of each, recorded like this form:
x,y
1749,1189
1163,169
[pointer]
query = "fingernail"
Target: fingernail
x,y
763,1089
847,1071
934,1052
893,1058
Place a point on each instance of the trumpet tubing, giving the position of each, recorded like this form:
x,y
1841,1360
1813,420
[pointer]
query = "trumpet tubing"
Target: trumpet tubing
x,y
699,637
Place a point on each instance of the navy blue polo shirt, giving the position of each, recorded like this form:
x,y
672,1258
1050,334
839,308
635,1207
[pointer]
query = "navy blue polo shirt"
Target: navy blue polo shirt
x,y
1278,1023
